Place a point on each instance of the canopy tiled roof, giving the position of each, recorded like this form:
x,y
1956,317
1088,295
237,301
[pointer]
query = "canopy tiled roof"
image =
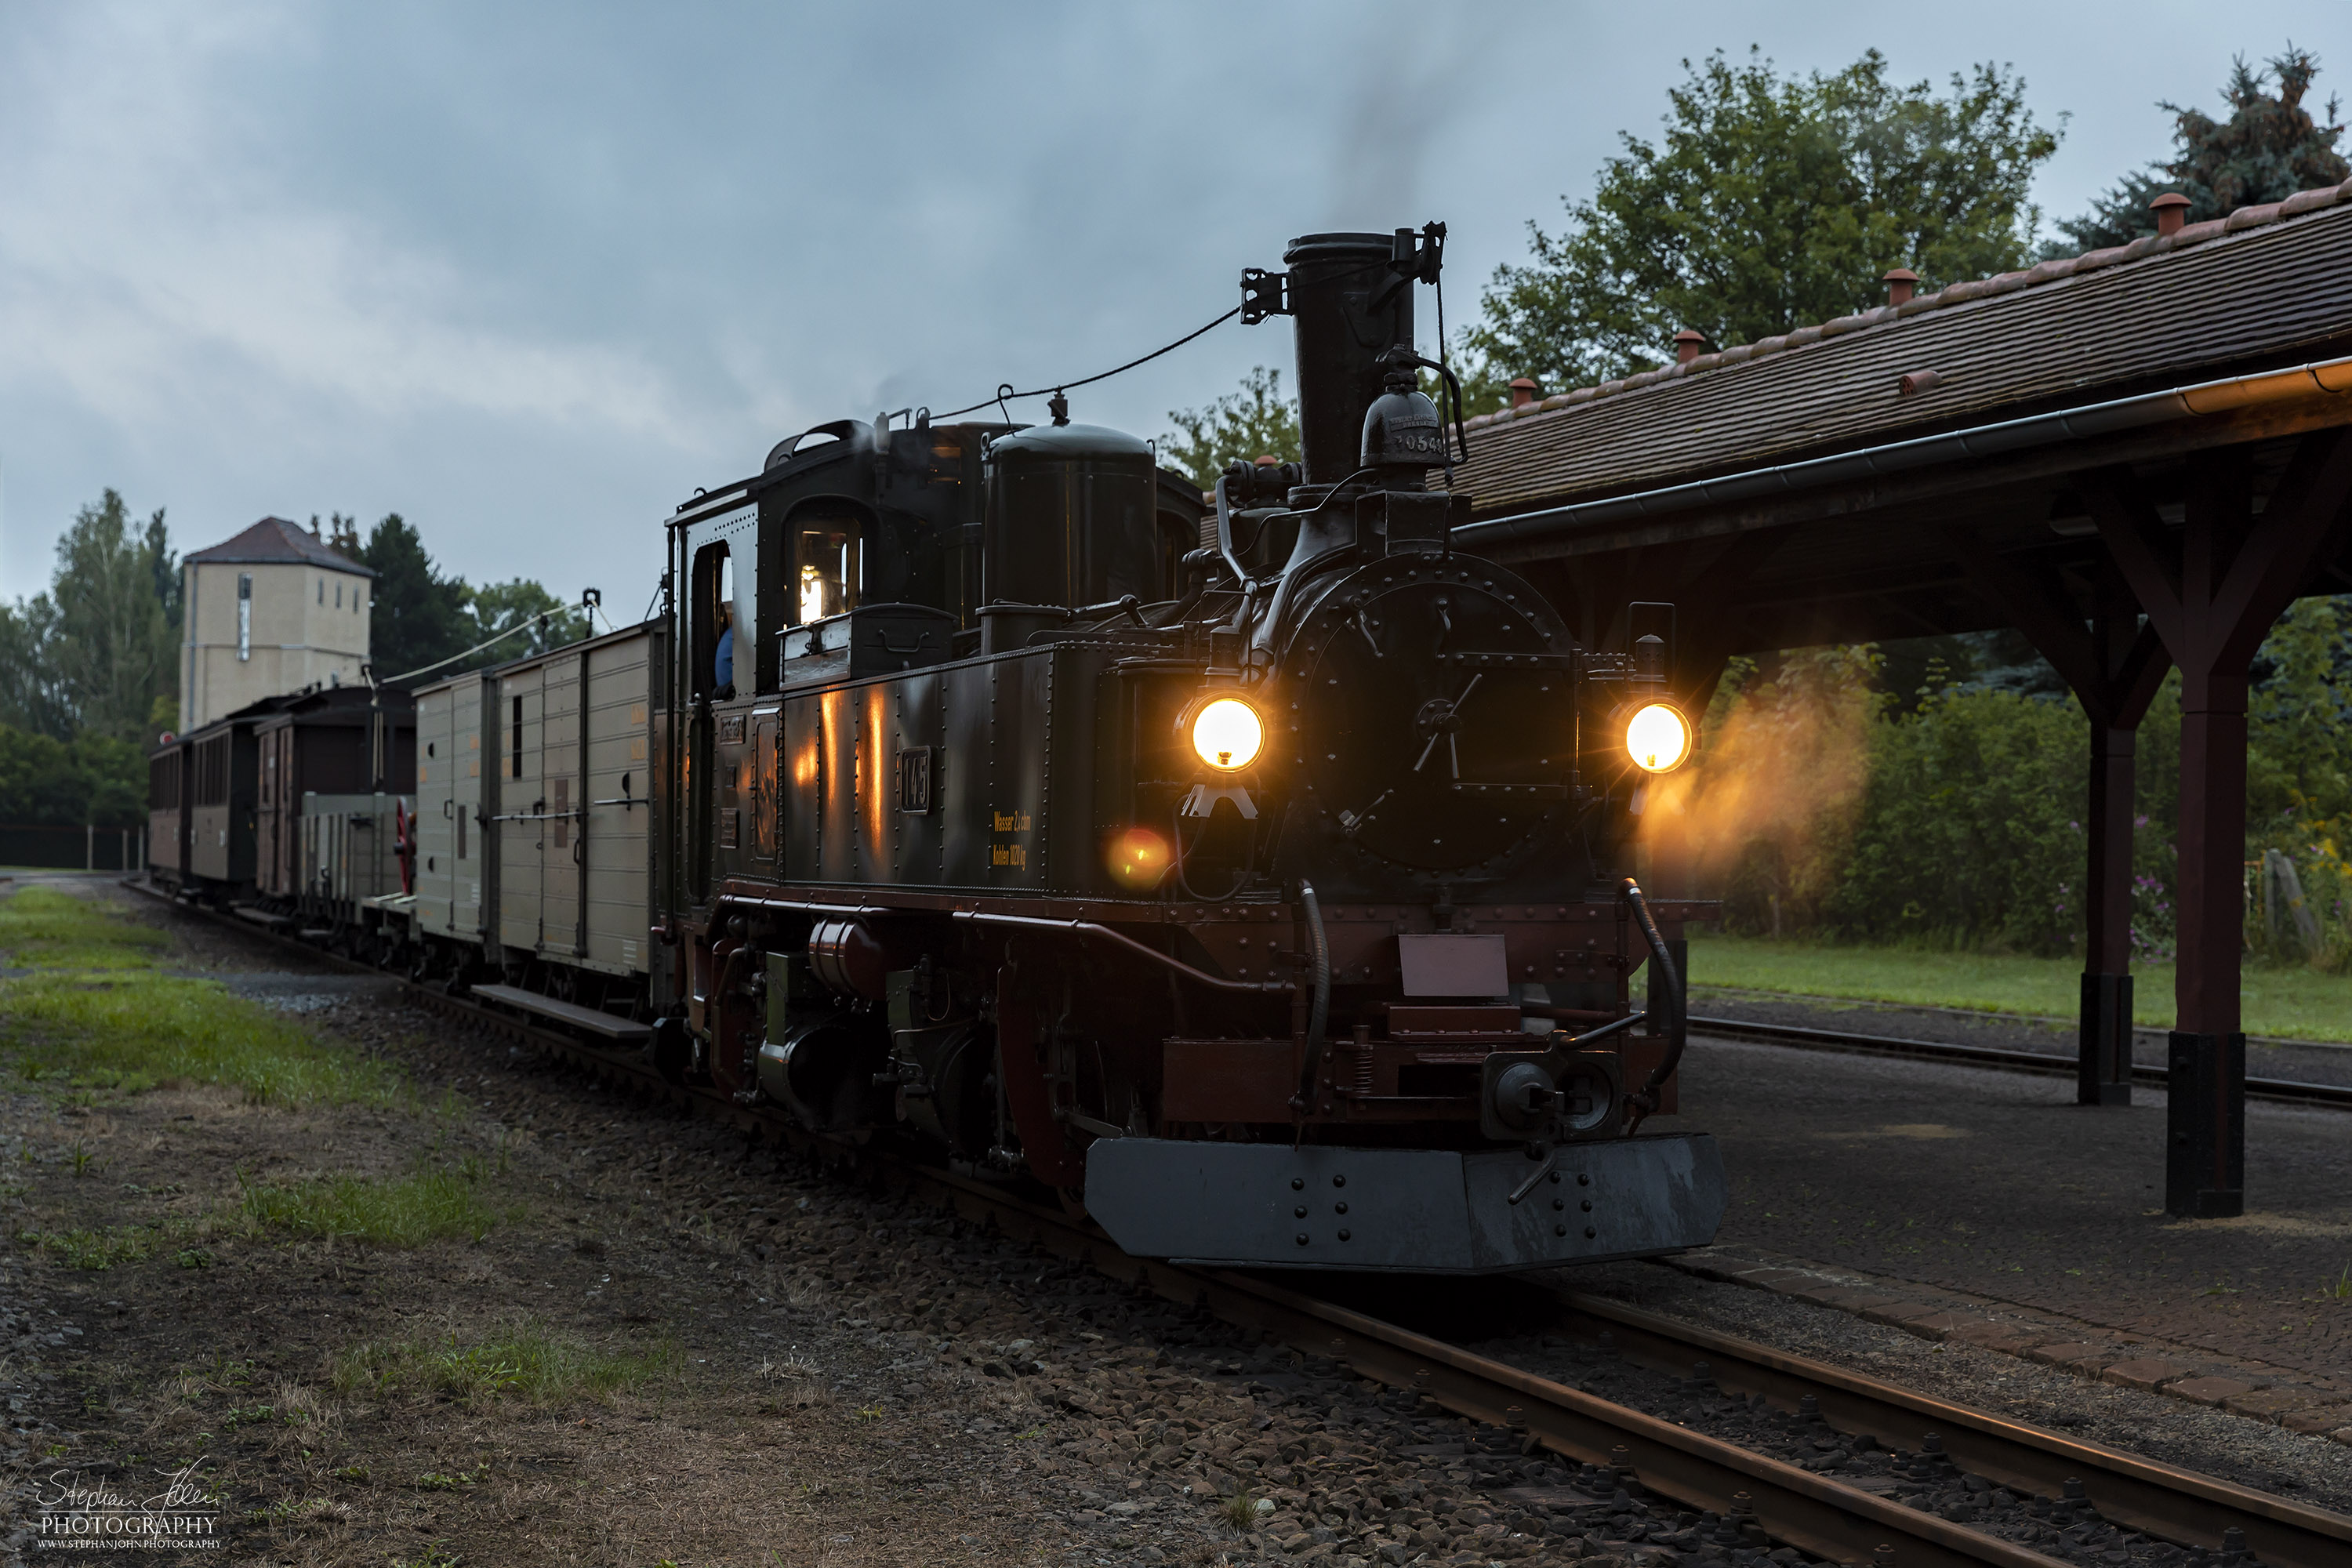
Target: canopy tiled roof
x,y
2266,286
275,541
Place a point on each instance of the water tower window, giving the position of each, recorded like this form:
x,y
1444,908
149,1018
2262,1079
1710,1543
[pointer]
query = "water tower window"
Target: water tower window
x,y
827,566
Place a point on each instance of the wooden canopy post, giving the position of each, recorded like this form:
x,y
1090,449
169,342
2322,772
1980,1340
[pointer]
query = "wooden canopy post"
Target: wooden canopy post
x,y
2115,665
2212,598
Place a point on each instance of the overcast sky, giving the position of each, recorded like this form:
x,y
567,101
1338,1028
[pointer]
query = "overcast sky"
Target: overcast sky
x,y
528,275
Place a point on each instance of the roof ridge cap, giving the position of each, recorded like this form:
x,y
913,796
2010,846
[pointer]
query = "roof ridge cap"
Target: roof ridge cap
x,y
2257,215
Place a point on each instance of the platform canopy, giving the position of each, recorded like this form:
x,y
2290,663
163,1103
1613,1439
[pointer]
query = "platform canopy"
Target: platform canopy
x,y
2136,456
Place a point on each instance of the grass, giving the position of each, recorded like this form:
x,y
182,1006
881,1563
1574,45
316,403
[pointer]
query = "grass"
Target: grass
x,y
41,928
405,1211
525,1361
97,1017
130,1033
2286,1004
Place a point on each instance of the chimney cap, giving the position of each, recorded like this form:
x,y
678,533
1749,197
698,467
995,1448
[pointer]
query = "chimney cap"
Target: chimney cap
x,y
1523,391
2170,199
1527,381
1687,345
1898,275
1690,335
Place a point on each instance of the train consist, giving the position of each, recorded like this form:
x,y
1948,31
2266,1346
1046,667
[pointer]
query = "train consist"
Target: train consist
x,y
1249,869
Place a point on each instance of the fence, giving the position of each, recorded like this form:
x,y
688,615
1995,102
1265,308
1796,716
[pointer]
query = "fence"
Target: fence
x,y
74,849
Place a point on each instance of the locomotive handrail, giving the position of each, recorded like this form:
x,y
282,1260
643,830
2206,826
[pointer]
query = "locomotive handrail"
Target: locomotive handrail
x,y
1645,1099
1093,928
1318,1011
1036,922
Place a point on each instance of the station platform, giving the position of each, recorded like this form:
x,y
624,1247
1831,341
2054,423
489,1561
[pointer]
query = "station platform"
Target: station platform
x,y
1988,1206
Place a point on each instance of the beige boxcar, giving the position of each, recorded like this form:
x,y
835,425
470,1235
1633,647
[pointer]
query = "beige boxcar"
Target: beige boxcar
x,y
457,796
574,818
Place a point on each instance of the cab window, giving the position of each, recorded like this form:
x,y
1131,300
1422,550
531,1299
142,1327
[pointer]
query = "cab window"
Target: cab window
x,y
712,609
829,565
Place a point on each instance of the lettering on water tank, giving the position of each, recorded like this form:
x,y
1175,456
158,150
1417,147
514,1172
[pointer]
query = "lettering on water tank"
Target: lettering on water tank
x,y
1007,830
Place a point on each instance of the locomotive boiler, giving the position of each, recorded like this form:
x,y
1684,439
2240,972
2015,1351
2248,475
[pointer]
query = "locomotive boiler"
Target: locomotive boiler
x,y
1252,870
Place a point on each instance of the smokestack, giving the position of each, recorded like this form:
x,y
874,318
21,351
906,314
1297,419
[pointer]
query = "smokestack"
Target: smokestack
x,y
1346,314
1901,284
1523,391
1687,345
2171,210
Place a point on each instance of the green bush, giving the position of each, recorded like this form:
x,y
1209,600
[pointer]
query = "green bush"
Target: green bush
x,y
1820,807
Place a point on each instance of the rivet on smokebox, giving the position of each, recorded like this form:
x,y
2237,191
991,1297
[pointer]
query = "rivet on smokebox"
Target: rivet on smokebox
x,y
1589,1233
1301,1239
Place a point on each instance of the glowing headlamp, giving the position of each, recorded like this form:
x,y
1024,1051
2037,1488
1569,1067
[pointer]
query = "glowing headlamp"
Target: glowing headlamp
x,y
1658,738
1227,734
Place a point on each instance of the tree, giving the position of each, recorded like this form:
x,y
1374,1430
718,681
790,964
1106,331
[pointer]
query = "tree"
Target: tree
x,y
497,608
1770,202
114,645
33,696
419,616
1256,421
2269,148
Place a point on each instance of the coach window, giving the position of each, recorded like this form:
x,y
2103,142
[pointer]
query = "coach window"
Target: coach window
x,y
828,564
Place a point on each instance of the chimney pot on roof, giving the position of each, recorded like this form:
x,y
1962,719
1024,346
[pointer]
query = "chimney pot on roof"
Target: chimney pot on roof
x,y
1523,391
1901,284
1687,343
2171,210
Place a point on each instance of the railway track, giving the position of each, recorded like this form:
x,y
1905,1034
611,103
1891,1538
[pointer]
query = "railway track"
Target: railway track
x,y
2329,1094
1758,1498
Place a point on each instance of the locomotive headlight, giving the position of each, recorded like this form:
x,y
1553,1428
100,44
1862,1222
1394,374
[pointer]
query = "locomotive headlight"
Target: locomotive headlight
x,y
1227,734
1658,738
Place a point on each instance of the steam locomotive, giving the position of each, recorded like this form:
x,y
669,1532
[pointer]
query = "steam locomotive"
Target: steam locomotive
x,y
1248,870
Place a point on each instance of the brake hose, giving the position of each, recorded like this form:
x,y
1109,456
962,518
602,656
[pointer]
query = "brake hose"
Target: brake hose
x,y
1644,1101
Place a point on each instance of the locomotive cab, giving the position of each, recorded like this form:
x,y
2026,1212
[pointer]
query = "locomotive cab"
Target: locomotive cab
x,y
1249,869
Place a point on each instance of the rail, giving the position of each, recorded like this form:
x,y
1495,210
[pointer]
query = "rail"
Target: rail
x,y
2330,1094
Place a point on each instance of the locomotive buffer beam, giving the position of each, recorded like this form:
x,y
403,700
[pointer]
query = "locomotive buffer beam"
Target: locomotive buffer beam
x,y
1269,1205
